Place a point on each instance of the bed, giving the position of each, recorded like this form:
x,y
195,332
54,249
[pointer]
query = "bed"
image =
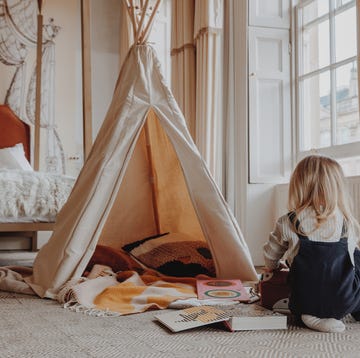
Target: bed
x,y
29,200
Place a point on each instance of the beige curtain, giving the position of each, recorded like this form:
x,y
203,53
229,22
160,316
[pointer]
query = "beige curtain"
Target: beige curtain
x,y
196,74
235,111
207,35
183,60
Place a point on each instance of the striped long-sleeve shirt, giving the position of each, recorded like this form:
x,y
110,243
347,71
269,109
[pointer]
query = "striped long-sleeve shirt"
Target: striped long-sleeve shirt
x,y
283,243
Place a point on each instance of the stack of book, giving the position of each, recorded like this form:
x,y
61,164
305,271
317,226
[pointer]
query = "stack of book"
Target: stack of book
x,y
242,315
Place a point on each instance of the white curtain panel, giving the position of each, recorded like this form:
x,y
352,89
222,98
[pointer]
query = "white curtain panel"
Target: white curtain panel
x,y
183,60
196,74
208,40
229,105
234,108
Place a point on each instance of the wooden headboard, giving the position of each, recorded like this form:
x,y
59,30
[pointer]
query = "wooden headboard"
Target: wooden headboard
x,y
13,130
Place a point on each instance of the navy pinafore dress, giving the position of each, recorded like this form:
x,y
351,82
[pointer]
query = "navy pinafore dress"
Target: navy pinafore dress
x,y
323,281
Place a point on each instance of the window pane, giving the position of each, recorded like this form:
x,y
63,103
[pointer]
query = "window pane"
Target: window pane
x,y
347,115
339,3
315,47
315,10
315,109
345,34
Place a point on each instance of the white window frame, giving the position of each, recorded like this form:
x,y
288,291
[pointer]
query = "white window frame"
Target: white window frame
x,y
337,151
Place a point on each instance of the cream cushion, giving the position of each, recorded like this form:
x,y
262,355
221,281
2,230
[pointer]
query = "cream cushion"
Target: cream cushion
x,y
14,158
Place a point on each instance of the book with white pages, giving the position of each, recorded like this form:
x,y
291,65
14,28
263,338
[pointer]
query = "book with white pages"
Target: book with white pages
x,y
238,317
244,317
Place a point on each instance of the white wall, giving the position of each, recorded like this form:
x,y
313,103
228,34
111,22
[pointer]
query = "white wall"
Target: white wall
x,y
68,91
259,203
68,78
260,218
105,57
6,73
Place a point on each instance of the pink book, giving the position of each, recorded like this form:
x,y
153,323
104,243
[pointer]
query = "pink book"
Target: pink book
x,y
223,289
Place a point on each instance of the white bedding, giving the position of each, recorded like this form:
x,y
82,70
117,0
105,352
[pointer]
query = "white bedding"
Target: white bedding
x,y
28,196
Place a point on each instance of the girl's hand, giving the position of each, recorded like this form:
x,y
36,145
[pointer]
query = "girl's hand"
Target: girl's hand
x,y
282,265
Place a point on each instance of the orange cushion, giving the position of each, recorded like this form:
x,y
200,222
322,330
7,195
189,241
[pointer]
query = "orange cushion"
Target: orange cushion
x,y
117,259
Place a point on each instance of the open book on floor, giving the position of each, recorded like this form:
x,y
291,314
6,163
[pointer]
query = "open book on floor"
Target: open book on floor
x,y
191,317
239,317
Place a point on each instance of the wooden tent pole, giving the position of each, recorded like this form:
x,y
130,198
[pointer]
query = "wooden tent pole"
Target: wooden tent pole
x,y
152,174
141,23
38,88
86,77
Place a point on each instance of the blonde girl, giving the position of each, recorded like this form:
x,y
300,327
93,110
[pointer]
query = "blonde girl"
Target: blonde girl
x,y
318,238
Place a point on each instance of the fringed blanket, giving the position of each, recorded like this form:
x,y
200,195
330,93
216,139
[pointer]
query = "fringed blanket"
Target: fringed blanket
x,y
128,292
132,289
139,293
102,292
12,279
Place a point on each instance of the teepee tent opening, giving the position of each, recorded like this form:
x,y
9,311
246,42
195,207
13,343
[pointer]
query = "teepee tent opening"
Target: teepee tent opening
x,y
144,183
155,189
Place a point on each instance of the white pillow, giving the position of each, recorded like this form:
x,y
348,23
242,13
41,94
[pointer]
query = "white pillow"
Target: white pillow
x,y
14,158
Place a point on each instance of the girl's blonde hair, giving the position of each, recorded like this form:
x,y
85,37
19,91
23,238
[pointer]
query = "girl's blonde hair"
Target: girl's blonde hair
x,y
318,182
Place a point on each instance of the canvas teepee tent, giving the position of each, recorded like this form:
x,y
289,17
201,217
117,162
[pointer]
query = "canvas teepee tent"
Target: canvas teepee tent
x,y
144,176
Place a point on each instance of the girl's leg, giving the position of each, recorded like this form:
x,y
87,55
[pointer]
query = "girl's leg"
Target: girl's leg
x,y
323,324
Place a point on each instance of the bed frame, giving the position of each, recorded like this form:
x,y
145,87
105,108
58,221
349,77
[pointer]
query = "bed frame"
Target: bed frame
x,y
12,131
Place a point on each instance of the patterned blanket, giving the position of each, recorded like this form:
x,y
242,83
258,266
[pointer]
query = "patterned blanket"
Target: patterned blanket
x,y
127,292
115,284
138,293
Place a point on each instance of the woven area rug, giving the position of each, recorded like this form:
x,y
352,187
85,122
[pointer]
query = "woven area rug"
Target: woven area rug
x,y
34,327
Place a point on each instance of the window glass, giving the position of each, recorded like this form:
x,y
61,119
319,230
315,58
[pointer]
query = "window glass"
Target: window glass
x,y
314,10
315,47
347,104
316,111
345,34
339,3
327,79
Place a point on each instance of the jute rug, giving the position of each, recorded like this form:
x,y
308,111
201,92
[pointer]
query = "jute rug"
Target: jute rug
x,y
34,327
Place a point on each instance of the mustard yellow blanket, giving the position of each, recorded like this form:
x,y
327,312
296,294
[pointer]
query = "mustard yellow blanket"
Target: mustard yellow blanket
x,y
128,293
139,293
